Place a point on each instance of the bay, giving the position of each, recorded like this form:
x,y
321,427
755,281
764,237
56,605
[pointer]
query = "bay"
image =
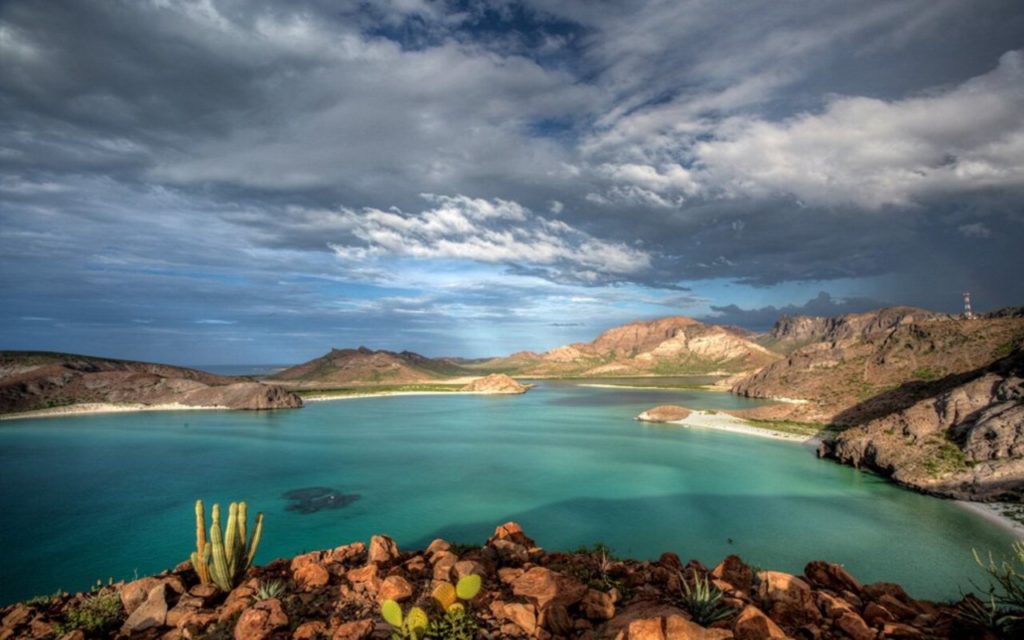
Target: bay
x,y
88,497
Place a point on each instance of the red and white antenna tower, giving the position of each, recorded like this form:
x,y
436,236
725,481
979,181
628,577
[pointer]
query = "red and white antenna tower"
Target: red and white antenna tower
x,y
968,313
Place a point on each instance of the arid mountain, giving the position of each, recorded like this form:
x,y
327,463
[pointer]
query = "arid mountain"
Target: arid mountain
x,y
362,366
41,380
853,359
960,436
668,346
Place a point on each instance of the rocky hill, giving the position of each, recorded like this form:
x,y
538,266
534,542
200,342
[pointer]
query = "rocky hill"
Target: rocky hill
x,y
668,346
362,366
852,359
41,380
527,593
961,436
497,383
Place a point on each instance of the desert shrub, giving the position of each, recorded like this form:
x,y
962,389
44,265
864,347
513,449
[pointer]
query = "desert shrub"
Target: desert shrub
x,y
703,600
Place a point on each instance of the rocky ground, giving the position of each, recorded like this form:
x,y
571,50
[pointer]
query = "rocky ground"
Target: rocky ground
x,y
528,593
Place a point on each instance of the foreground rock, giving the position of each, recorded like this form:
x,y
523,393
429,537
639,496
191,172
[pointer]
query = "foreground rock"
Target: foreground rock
x,y
528,593
38,380
664,413
496,383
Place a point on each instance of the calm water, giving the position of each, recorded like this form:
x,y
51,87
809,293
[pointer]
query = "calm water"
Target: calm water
x,y
96,496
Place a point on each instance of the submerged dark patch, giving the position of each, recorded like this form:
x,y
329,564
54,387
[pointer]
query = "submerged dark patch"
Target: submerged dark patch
x,y
313,499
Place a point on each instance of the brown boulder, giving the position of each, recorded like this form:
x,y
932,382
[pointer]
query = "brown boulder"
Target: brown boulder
x,y
510,552
382,550
186,606
135,593
787,599
259,621
544,587
312,630
735,572
753,624
356,630
900,631
347,554
151,613
598,605
524,616
831,576
394,588
646,629
311,576
556,620
512,532
465,568
679,628
854,626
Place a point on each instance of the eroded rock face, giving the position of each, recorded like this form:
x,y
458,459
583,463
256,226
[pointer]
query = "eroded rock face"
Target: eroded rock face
x,y
497,383
664,413
337,594
966,442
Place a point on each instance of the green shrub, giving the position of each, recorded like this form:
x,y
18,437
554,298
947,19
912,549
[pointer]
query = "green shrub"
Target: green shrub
x,y
703,600
455,622
98,613
1002,612
269,589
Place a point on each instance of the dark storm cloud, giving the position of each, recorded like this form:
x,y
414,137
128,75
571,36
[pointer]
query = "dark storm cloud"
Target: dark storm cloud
x,y
188,164
761,319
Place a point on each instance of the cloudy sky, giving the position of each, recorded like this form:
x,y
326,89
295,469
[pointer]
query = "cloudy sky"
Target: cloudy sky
x,y
224,181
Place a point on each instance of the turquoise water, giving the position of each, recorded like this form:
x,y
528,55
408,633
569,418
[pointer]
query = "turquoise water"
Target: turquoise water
x,y
110,495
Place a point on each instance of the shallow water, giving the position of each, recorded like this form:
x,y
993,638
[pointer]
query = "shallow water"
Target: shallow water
x,y
89,497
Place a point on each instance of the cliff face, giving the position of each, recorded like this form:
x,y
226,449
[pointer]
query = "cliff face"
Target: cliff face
x,y
965,440
30,381
667,346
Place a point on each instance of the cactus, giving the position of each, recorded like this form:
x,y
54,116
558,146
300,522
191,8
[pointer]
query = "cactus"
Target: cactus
x,y
231,555
454,623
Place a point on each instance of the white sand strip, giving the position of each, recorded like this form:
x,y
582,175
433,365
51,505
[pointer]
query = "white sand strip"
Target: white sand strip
x,y
91,408
732,424
993,512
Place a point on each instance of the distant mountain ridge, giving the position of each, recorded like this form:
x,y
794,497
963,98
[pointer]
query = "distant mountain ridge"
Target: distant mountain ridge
x,y
31,380
363,366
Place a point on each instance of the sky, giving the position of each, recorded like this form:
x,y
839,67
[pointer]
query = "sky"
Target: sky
x,y
217,181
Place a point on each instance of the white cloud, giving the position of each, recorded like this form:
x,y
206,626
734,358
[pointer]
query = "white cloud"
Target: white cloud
x,y
486,231
872,153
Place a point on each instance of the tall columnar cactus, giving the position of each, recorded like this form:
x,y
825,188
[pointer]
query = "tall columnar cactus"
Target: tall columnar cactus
x,y
231,555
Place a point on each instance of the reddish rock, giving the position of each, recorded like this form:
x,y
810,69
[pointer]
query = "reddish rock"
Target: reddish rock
x,y
347,554
664,413
261,620
311,576
356,630
646,629
151,613
854,626
735,572
753,624
544,586
465,568
900,631
135,593
679,628
187,605
877,590
876,615
832,606
831,576
206,592
512,532
788,600
510,552
382,550
312,630
316,557
899,609
20,615
524,616
508,575
443,564
598,605
437,545
415,564
77,634
394,588
670,561
556,620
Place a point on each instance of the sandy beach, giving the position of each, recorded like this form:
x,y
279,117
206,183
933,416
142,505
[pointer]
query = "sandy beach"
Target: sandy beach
x,y
993,512
731,424
103,407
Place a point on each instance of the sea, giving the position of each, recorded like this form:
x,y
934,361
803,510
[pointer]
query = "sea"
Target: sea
x,y
86,498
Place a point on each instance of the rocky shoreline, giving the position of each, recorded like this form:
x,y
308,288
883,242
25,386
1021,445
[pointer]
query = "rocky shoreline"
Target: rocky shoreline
x,y
527,593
